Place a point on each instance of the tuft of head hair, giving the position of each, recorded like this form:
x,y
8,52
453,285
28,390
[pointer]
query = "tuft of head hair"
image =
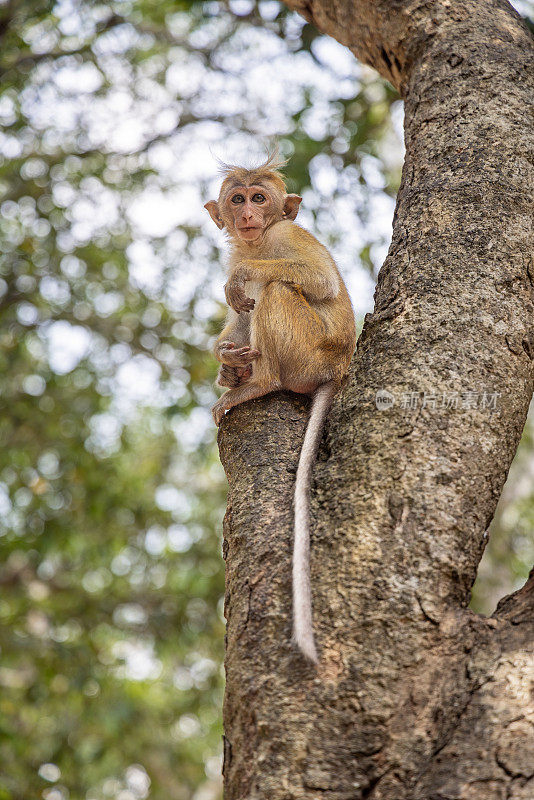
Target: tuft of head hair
x,y
274,163
247,176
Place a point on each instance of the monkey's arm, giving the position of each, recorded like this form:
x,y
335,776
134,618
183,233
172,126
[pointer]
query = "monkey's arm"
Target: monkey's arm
x,y
318,281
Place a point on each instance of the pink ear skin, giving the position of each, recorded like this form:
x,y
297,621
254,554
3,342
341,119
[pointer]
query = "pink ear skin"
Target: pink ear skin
x,y
212,207
291,206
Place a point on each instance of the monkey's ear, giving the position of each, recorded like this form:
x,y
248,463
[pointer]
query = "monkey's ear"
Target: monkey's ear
x,y
291,206
212,207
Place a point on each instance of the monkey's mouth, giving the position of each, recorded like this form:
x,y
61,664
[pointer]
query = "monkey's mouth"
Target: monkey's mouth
x,y
251,233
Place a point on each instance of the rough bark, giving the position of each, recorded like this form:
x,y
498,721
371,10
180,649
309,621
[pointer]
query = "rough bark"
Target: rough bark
x,y
415,696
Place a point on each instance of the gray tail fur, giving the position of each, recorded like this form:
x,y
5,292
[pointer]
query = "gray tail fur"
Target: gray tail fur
x,y
302,603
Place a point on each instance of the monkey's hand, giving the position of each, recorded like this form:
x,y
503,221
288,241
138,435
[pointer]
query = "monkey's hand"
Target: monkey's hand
x,y
235,295
239,357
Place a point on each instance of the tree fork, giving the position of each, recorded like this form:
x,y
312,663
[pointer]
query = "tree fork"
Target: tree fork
x,y
415,697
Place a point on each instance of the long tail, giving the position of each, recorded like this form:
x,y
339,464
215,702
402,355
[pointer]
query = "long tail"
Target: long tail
x,y
302,603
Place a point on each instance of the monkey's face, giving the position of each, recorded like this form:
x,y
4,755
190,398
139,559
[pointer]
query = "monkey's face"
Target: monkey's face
x,y
249,210
246,211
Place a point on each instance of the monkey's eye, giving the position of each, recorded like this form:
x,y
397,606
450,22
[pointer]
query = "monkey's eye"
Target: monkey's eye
x,y
258,198
238,198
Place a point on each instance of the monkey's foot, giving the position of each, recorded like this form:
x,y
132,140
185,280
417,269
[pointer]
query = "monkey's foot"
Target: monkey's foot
x,y
228,377
248,391
218,411
233,376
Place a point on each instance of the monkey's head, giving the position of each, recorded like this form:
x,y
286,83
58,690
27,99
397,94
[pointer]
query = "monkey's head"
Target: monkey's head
x,y
251,200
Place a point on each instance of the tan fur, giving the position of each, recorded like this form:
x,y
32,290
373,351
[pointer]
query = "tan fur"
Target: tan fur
x,y
290,326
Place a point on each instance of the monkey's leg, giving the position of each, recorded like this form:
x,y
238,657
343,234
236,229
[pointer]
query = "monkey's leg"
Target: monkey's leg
x,y
289,332
231,398
262,358
234,341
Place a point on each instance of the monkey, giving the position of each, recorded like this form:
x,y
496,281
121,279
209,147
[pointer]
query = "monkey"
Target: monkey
x,y
290,326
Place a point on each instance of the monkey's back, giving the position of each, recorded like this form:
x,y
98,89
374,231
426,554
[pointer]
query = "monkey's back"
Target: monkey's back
x,y
335,310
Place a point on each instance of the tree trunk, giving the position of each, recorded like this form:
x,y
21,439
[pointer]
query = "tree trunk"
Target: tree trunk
x,y
415,696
